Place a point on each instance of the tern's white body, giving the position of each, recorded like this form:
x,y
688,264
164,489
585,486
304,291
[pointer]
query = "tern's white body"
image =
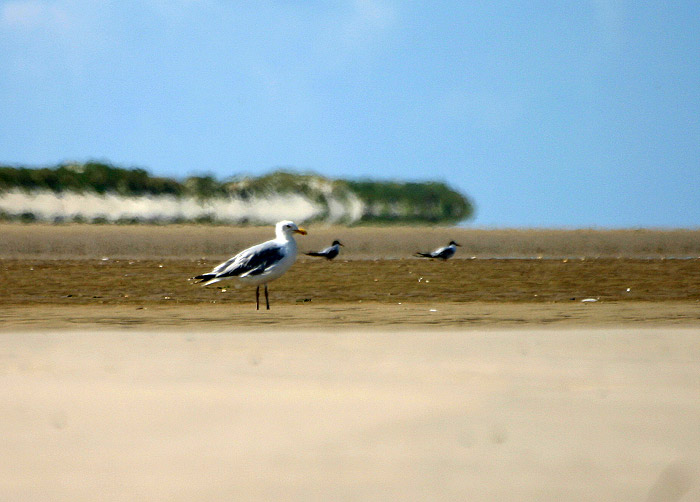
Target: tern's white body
x,y
329,253
443,253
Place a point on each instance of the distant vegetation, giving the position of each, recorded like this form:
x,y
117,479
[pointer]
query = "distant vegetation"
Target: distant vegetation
x,y
92,176
365,201
394,202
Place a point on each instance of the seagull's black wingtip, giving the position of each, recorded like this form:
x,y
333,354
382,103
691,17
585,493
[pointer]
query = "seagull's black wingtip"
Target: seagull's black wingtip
x,y
203,278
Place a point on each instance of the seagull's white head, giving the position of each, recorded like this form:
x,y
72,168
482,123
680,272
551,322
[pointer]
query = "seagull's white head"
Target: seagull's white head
x,y
286,229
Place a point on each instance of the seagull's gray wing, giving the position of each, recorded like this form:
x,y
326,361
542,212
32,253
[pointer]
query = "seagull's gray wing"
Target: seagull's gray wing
x,y
252,261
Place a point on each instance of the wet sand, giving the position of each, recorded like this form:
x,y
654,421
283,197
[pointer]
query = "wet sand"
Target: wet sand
x,y
156,294
577,414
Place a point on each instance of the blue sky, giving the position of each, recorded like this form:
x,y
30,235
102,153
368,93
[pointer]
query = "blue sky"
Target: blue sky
x,y
547,114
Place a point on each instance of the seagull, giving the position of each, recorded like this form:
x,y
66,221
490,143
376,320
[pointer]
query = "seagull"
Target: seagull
x,y
260,264
329,253
442,253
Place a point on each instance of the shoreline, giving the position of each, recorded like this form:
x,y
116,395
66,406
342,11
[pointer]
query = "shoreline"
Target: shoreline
x,y
355,316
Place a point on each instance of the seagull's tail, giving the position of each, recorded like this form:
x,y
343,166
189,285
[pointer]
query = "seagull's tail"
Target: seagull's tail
x,y
424,255
314,253
206,279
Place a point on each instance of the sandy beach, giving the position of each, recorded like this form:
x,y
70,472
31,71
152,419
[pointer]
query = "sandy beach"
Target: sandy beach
x,y
565,378
498,414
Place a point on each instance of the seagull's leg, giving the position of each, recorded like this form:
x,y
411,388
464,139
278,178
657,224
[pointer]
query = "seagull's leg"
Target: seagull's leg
x,y
267,299
257,298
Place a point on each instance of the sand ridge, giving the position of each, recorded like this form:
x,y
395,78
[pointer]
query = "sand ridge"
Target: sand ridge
x,y
360,315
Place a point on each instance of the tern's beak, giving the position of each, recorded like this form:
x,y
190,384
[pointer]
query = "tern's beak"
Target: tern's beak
x,y
300,231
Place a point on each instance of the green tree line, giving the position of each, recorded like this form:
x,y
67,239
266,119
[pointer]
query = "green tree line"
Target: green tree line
x,y
384,201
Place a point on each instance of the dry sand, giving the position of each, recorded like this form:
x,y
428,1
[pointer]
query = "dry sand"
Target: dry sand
x,y
481,415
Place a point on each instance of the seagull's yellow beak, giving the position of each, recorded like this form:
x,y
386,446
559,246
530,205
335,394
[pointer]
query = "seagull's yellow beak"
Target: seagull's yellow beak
x,y
300,231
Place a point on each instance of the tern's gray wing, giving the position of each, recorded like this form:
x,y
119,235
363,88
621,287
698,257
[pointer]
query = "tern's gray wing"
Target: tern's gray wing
x,y
444,253
330,252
